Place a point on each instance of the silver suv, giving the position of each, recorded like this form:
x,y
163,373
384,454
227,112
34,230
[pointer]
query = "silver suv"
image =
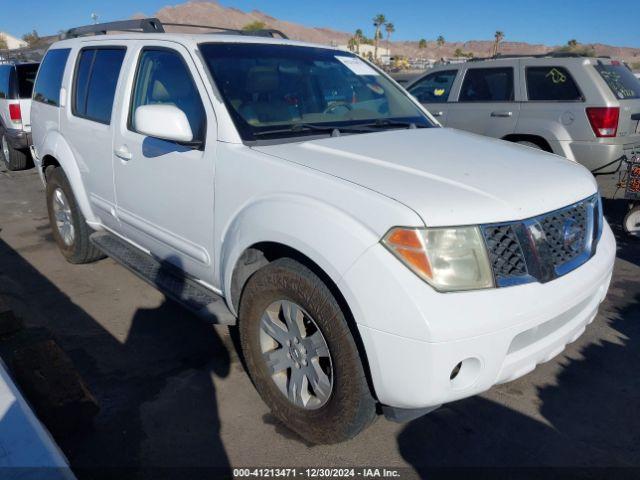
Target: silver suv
x,y
16,85
585,109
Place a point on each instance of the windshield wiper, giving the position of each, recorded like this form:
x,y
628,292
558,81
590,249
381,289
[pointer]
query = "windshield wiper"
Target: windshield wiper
x,y
390,123
334,130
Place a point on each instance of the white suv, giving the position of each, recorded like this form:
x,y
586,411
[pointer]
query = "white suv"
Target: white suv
x,y
368,256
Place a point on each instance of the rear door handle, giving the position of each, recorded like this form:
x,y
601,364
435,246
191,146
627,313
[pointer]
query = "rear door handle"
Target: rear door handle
x,y
122,153
501,114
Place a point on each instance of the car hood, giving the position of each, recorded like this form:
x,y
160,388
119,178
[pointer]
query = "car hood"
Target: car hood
x,y
447,176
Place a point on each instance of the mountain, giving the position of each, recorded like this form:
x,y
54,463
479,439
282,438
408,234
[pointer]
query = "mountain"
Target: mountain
x,y
212,13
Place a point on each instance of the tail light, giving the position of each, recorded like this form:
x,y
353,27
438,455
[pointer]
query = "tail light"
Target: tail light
x,y
15,114
604,120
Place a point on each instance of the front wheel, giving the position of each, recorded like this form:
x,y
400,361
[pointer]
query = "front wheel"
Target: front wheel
x,y
301,355
69,227
631,223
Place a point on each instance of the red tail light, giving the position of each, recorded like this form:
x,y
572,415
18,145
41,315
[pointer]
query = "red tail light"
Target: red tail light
x,y
604,120
15,114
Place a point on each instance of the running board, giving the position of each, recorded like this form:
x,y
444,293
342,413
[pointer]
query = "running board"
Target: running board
x,y
168,279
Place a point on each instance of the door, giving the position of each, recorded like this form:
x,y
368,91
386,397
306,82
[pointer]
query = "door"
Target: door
x,y
487,102
433,91
87,122
165,189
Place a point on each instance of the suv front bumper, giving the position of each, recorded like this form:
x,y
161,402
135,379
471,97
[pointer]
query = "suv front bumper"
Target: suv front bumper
x,y
415,337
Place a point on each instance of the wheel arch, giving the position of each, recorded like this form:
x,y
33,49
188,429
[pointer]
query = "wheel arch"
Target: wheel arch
x,y
56,152
536,139
261,254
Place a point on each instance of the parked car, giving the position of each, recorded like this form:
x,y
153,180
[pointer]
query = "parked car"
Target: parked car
x,y
368,256
585,109
16,84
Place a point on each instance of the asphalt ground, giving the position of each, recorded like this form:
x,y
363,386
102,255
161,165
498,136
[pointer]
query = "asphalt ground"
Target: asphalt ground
x,y
175,399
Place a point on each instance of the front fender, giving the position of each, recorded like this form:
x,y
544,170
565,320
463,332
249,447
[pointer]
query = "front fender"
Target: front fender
x,y
330,237
56,146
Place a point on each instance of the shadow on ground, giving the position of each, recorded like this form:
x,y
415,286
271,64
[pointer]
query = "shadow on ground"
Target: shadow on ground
x,y
591,414
166,348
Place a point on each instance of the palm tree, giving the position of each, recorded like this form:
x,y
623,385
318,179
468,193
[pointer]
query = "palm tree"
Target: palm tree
x,y
378,21
3,42
358,37
499,36
422,44
440,41
572,43
389,28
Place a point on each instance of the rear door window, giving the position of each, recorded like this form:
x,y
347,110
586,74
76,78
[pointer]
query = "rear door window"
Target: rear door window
x,y
551,84
621,81
49,80
95,84
435,87
488,85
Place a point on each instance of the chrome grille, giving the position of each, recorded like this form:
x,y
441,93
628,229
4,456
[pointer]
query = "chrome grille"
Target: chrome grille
x,y
544,247
505,253
554,226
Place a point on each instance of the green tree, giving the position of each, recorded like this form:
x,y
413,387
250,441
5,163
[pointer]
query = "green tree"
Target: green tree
x,y
422,44
573,43
378,21
389,28
31,38
498,36
3,42
440,41
254,26
458,53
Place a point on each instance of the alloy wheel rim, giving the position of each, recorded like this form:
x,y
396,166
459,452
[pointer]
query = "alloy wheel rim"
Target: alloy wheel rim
x,y
63,217
296,355
5,149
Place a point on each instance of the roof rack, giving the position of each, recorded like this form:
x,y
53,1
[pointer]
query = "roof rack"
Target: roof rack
x,y
542,55
154,25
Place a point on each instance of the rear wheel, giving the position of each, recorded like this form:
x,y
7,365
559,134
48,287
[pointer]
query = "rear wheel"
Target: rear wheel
x,y
12,158
301,355
631,223
69,227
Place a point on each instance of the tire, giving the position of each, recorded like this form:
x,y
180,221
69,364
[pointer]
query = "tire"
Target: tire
x,y
529,144
349,408
631,223
12,158
76,248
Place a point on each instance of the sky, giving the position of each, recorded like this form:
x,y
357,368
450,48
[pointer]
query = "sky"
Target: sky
x,y
552,22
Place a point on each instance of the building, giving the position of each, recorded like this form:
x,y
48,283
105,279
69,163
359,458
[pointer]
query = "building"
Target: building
x,y
12,42
368,51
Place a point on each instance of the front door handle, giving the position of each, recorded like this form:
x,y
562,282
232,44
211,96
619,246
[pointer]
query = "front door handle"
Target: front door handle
x,y
501,114
437,114
122,153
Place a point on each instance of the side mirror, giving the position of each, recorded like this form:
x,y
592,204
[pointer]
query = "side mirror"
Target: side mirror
x,y
166,122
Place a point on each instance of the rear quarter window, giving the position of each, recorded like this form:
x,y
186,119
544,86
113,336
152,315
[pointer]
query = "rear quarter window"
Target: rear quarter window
x,y
620,80
26,75
551,84
49,81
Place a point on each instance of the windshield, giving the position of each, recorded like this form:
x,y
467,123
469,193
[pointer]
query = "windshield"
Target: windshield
x,y
620,80
276,91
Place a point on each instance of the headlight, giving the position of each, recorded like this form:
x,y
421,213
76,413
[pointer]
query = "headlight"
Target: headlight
x,y
449,259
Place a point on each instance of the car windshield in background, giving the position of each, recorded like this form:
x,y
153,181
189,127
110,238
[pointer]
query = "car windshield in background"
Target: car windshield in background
x,y
621,81
26,79
276,91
